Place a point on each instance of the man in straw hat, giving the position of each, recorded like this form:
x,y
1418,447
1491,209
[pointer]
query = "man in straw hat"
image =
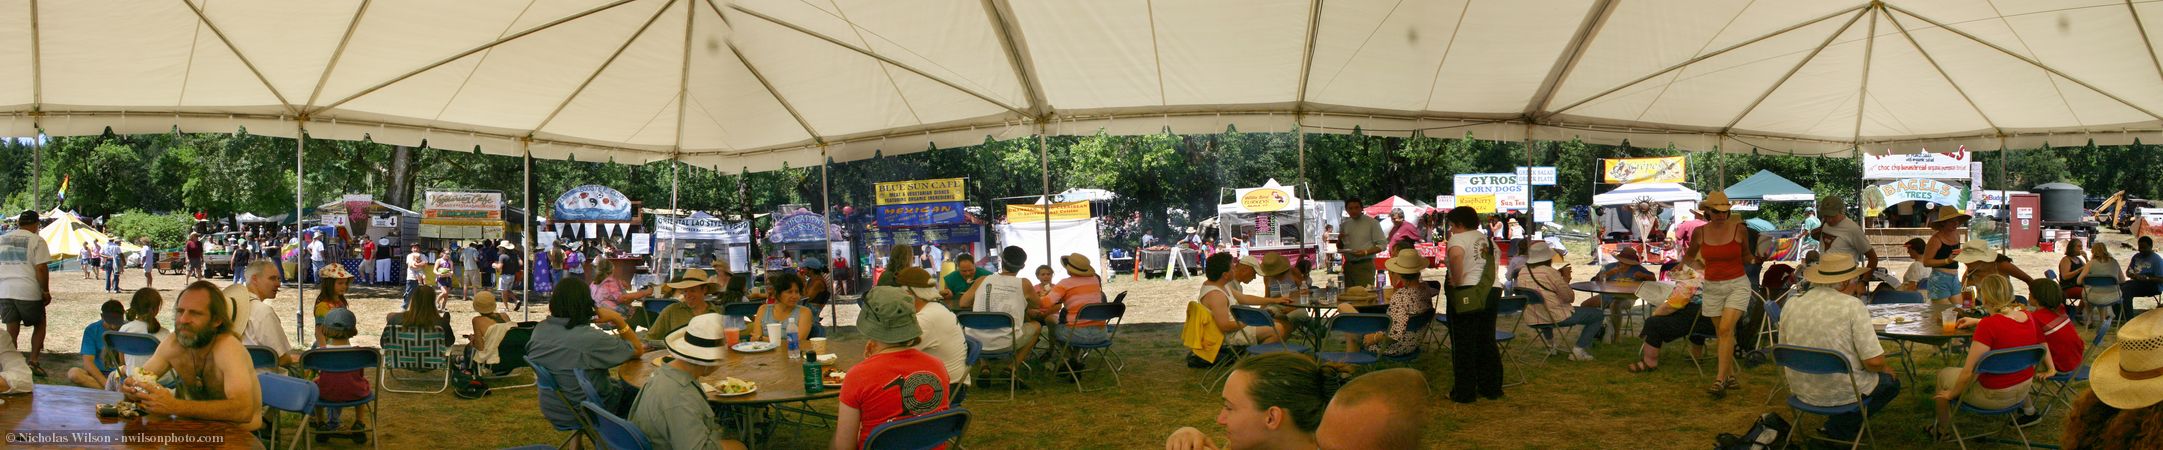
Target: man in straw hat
x,y
671,409
2125,385
693,287
942,331
507,267
1827,317
895,380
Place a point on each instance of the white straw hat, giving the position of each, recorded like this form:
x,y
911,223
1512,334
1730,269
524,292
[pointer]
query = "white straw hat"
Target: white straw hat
x,y
2129,374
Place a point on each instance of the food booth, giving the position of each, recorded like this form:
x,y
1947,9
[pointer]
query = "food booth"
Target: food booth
x,y
798,233
1622,224
1269,220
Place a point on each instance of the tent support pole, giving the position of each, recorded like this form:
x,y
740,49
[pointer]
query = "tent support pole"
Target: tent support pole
x,y
300,187
525,195
1531,196
673,170
37,170
1043,158
826,207
1299,133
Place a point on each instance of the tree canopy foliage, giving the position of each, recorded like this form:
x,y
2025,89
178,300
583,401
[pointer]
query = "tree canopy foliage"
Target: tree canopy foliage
x,y
1157,175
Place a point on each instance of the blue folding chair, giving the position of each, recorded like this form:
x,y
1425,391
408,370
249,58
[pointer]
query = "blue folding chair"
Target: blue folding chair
x,y
1416,327
134,344
1512,302
921,432
741,310
1897,298
653,308
1818,361
288,394
994,322
1546,332
545,382
615,432
1998,362
263,357
1256,317
346,359
961,391
1110,314
2059,387
1358,326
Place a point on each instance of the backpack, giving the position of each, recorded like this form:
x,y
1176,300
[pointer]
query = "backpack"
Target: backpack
x,y
468,384
1769,431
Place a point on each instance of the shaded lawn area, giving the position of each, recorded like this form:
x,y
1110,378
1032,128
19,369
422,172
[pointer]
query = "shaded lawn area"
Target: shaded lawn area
x,y
1567,404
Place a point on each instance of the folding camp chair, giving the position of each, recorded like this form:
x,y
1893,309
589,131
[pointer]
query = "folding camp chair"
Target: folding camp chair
x,y
415,349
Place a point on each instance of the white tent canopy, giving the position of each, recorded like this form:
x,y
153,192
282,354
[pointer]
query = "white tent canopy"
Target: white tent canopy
x,y
761,83
1653,192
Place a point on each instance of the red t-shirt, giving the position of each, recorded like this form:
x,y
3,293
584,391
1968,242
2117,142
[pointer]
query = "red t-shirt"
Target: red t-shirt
x,y
894,385
2061,337
1999,332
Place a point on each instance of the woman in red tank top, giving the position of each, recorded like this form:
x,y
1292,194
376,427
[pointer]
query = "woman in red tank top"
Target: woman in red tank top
x,y
1721,250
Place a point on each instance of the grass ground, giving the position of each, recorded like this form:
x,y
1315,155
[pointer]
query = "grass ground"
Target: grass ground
x,y
1566,404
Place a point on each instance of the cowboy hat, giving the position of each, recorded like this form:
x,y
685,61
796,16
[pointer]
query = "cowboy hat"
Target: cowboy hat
x,y
1946,213
1356,294
1835,267
507,245
1975,251
2129,374
691,278
237,297
484,302
1274,265
1077,265
333,271
1407,262
1717,202
1628,255
698,342
1539,251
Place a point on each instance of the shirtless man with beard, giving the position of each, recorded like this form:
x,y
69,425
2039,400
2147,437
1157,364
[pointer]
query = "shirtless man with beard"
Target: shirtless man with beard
x,y
217,381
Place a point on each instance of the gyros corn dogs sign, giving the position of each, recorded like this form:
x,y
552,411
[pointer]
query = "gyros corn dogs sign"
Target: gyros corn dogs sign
x,y
1490,192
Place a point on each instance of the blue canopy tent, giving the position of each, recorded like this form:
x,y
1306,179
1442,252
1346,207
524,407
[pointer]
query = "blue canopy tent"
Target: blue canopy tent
x,y
1765,186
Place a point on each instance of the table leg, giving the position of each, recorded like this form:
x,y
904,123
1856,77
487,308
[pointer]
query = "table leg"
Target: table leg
x,y
1616,312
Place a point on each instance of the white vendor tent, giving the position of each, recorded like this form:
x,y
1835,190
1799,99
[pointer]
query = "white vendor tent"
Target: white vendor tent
x,y
760,83
1654,192
1066,237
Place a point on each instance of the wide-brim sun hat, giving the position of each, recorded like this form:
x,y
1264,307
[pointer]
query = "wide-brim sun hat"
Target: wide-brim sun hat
x,y
2129,374
484,302
1274,265
698,342
1946,213
1717,202
1834,267
1539,251
1975,251
690,278
1077,265
333,271
507,245
1356,294
1407,262
1628,255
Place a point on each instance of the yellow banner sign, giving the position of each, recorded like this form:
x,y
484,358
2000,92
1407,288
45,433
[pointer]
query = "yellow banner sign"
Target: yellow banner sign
x,y
1482,203
1672,169
921,191
1059,211
1266,200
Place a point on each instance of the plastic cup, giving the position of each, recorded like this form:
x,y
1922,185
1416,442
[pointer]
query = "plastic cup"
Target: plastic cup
x,y
773,334
818,346
729,336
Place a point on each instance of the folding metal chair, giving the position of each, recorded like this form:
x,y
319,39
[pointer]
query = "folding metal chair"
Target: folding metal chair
x,y
615,432
994,322
344,359
1416,327
1818,361
545,382
1110,314
921,432
263,358
2059,388
1511,304
1356,327
288,394
2000,361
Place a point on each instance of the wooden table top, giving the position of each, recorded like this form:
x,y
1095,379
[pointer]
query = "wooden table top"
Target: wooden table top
x,y
1604,287
69,415
779,379
1921,321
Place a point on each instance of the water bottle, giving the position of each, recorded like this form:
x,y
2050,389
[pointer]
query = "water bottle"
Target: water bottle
x,y
792,345
814,380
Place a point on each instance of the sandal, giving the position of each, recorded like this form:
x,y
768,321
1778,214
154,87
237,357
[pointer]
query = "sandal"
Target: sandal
x,y
1936,434
1641,367
1719,389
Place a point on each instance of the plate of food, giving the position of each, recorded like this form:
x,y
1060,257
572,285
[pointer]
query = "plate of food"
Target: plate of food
x,y
833,379
730,387
754,346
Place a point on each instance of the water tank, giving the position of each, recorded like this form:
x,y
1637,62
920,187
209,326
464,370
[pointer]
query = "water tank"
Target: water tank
x,y
2061,202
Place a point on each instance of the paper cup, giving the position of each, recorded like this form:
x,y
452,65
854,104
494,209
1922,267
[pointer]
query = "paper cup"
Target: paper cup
x,y
818,345
773,333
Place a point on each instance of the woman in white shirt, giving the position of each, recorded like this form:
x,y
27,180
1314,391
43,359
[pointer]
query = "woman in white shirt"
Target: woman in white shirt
x,y
1471,309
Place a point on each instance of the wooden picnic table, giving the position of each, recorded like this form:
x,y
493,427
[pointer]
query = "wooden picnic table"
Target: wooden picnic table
x,y
69,415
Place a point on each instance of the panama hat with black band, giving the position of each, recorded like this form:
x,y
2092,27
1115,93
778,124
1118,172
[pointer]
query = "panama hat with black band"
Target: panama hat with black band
x,y
698,342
